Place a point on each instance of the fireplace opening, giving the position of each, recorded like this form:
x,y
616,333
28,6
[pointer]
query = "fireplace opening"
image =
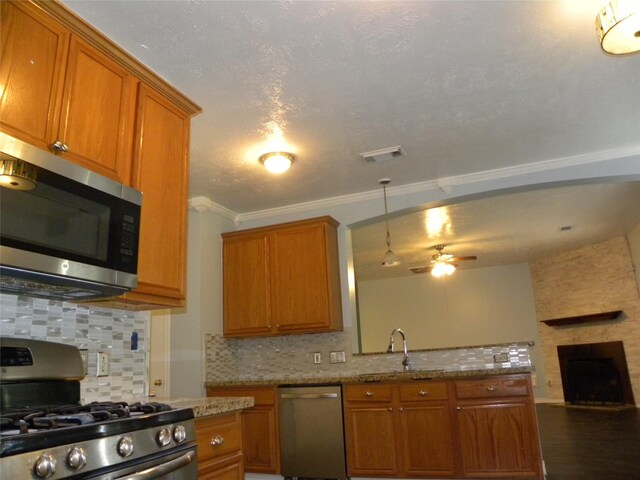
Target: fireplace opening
x,y
595,374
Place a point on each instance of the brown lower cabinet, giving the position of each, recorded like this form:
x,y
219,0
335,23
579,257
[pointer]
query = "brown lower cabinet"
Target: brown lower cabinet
x,y
220,447
399,430
475,428
482,427
260,427
497,428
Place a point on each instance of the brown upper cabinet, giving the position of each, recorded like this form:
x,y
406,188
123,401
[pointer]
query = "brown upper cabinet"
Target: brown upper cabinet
x,y
282,279
67,97
70,90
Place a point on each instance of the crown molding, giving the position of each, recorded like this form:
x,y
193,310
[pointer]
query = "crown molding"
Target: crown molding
x,y
444,184
203,204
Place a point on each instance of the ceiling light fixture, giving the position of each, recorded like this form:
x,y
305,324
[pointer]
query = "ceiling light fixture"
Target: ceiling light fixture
x,y
17,174
618,26
390,259
277,162
442,268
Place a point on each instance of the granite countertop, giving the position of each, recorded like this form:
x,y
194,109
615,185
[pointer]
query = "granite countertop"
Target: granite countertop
x,y
204,406
372,377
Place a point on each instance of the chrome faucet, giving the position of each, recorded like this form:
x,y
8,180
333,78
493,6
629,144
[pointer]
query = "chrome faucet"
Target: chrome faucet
x,y
406,362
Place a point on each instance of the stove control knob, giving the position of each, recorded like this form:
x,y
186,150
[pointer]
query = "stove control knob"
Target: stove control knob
x,y
180,434
125,446
163,437
45,466
76,459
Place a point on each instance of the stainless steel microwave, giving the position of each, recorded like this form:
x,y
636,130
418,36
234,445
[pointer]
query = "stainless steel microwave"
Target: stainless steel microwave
x,y
66,232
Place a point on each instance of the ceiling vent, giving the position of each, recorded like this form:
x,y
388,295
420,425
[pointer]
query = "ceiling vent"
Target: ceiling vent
x,y
383,154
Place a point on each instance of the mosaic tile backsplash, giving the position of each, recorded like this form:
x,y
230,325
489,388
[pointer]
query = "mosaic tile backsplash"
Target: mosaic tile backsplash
x,y
92,328
292,357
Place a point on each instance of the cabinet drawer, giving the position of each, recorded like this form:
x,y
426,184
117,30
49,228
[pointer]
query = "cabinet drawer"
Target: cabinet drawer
x,y
496,387
261,395
417,391
368,393
218,436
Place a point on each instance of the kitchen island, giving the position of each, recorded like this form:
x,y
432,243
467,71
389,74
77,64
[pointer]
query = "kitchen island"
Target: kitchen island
x,y
416,424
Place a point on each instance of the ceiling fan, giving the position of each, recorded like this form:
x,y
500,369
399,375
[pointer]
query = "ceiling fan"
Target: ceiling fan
x,y
441,263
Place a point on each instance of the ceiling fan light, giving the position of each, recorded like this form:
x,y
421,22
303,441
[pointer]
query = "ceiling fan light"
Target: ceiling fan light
x,y
277,162
618,26
441,269
390,259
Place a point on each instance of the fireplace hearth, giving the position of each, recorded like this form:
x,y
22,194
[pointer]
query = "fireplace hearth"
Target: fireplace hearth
x,y
595,374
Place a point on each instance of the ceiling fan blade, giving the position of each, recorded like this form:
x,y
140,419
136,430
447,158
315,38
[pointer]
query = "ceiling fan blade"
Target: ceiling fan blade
x,y
423,269
458,259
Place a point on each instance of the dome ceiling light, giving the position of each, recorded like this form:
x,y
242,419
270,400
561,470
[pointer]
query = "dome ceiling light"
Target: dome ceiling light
x,y
277,162
618,26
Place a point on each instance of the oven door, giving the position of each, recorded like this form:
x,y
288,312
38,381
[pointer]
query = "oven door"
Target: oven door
x,y
177,465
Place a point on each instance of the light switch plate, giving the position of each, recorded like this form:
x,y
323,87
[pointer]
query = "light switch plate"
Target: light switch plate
x,y
317,358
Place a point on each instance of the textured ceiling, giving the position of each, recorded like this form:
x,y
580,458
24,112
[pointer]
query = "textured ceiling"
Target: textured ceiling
x,y
462,86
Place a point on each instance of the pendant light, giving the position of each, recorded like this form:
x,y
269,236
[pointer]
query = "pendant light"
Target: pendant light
x,y
390,259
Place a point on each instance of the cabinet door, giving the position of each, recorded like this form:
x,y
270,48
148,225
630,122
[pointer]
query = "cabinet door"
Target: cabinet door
x,y
246,286
215,471
427,440
299,277
498,440
98,112
370,441
259,440
33,57
161,172
260,427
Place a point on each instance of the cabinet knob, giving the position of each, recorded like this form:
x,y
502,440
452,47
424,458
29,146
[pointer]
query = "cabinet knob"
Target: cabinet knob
x,y
458,408
391,409
217,440
423,393
492,388
60,147
368,394
401,409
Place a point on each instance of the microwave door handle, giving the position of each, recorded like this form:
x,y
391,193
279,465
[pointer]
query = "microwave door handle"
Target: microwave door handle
x,y
162,469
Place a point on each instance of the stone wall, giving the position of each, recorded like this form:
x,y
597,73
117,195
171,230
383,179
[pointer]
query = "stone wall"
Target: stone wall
x,y
593,279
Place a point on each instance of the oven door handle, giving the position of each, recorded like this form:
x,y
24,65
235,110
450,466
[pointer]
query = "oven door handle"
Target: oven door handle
x,y
163,469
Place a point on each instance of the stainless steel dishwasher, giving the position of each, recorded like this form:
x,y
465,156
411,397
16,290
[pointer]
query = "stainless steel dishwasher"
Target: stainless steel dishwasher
x,y
311,432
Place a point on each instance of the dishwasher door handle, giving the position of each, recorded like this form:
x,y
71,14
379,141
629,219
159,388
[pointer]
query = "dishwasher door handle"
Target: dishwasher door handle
x,y
308,395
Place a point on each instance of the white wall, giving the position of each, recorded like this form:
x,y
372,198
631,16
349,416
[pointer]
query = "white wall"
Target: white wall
x,y
472,307
203,313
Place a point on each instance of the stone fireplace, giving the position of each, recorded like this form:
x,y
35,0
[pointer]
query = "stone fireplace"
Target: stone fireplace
x,y
571,292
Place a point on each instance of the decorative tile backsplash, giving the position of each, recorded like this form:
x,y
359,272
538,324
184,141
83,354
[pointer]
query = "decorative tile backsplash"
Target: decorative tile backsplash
x,y
87,327
292,357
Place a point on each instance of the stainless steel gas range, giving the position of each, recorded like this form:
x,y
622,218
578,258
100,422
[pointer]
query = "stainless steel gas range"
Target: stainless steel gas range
x,y
46,433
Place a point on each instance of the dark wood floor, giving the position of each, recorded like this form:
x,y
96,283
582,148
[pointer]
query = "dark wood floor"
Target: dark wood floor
x,y
579,444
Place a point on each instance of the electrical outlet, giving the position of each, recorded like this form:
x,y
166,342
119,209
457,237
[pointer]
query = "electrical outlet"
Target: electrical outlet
x,y
337,357
84,354
501,357
317,358
103,364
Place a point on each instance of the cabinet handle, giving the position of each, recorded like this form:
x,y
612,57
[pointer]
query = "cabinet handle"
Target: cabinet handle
x,y
60,147
492,388
217,440
423,393
368,394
